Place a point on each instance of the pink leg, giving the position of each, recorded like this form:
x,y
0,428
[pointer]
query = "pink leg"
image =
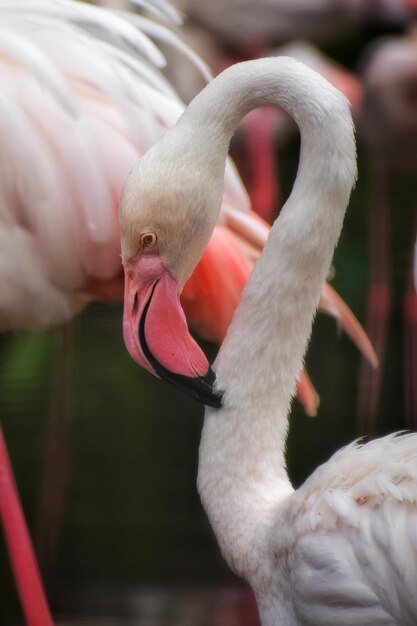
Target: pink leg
x,y
259,129
379,306
19,545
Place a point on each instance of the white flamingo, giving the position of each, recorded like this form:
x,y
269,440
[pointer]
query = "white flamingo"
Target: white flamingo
x,y
342,549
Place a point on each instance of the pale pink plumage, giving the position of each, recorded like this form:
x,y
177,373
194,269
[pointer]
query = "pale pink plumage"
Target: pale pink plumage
x,y
76,110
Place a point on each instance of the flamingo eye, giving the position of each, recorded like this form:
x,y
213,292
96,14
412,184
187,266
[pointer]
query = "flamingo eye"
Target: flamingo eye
x,y
148,240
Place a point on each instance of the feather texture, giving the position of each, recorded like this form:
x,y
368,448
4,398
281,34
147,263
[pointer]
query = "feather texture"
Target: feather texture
x,y
82,96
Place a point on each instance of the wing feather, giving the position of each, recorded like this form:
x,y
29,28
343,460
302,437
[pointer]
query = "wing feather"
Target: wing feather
x,y
350,538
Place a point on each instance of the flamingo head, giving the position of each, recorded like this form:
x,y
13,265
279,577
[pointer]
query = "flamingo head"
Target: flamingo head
x,y
165,224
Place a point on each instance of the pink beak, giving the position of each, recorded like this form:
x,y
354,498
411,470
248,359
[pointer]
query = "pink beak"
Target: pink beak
x,y
156,332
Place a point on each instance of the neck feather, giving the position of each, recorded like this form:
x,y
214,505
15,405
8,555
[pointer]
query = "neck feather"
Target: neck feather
x,y
242,474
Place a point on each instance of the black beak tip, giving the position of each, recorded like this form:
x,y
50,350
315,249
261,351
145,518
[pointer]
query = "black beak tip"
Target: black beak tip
x,y
200,387
206,392
214,400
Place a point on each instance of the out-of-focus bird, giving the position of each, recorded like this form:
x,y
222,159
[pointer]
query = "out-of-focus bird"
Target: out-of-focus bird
x,y
388,128
227,31
262,131
74,117
266,129
342,548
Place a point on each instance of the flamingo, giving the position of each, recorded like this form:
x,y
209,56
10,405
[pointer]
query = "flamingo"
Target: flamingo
x,y
388,128
22,557
342,548
76,83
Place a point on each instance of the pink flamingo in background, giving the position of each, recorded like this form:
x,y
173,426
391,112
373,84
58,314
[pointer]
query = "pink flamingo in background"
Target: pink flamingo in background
x,y
388,127
227,31
262,131
266,129
83,97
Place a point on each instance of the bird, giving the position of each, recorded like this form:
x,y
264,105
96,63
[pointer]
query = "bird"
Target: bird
x,y
342,547
387,129
94,107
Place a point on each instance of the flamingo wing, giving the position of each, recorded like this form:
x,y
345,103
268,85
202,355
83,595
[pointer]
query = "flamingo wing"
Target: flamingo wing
x,y
61,126
350,542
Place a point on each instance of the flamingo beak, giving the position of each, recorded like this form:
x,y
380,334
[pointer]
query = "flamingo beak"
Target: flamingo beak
x,y
156,332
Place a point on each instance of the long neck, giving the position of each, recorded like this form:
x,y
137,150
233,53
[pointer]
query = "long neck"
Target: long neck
x,y
242,474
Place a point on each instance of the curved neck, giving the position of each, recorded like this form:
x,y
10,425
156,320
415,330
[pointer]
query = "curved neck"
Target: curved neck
x,y
210,120
242,474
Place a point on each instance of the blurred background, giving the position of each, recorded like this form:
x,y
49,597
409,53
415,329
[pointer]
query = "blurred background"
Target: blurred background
x,y
105,455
